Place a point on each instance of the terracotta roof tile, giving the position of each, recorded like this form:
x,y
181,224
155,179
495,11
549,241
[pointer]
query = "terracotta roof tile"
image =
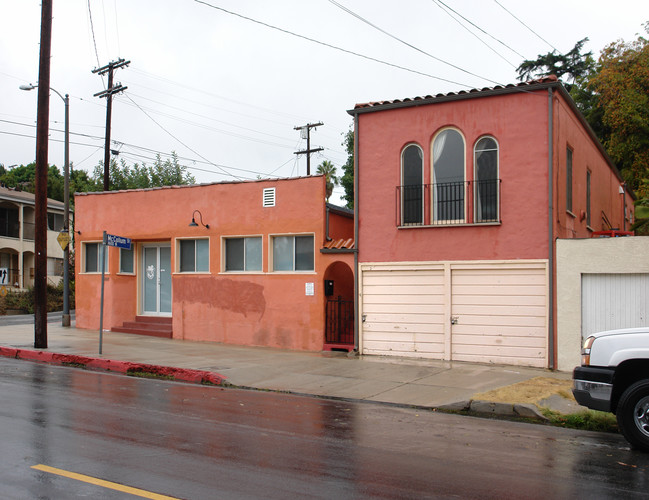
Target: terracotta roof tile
x,y
522,85
341,244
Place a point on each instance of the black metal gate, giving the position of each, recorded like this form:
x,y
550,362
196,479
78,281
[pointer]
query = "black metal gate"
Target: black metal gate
x,y
339,328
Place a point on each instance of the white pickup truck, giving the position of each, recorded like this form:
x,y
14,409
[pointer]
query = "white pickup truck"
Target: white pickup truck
x,y
614,377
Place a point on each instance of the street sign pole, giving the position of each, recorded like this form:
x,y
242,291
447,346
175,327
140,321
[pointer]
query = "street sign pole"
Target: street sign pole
x,y
101,308
113,241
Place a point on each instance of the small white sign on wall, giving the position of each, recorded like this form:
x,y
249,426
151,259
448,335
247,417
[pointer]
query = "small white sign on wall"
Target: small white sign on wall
x,y
309,288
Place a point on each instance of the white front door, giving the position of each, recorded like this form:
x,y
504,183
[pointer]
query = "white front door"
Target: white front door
x,y
156,279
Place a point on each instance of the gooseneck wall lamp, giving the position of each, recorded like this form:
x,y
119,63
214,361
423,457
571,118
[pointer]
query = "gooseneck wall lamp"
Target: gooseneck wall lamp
x,y
200,215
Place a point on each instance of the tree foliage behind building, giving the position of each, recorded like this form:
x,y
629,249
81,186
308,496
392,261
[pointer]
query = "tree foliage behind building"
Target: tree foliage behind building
x,y
347,179
122,176
162,173
613,95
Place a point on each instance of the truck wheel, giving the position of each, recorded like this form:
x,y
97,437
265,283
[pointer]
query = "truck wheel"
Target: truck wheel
x,y
633,414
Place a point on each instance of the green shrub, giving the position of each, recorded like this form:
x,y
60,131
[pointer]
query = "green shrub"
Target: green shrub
x,y
24,300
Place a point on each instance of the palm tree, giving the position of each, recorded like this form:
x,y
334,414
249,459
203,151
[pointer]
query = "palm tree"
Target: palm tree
x,y
327,169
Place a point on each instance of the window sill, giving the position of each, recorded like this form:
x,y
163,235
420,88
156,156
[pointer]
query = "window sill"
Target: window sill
x,y
590,229
460,224
191,273
126,274
571,214
292,272
242,272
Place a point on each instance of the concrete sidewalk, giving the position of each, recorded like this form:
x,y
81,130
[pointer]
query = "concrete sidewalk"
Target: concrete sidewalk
x,y
424,383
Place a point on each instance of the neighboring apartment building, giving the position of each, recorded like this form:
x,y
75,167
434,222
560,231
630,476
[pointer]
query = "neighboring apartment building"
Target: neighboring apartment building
x,y
17,215
264,263
460,198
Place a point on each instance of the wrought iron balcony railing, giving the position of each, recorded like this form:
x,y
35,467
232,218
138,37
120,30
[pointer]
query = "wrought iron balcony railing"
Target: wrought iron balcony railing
x,y
449,203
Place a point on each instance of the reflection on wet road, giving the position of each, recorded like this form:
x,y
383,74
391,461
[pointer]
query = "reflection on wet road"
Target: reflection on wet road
x,y
199,442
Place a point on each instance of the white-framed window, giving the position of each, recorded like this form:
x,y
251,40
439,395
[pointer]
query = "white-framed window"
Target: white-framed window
x,y
194,255
293,253
448,159
243,254
412,185
127,260
486,182
92,252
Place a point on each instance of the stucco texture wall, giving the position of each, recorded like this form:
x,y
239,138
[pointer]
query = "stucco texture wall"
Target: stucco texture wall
x,y
607,204
519,122
576,257
262,308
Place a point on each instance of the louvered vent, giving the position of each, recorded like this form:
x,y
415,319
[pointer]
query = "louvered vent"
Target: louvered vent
x,y
269,197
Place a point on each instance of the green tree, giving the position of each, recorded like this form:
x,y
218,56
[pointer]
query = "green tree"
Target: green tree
x,y
641,224
621,84
612,94
22,178
123,176
347,179
572,67
328,169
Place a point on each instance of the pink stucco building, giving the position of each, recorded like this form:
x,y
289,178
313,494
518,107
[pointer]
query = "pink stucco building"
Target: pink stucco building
x,y
460,198
265,263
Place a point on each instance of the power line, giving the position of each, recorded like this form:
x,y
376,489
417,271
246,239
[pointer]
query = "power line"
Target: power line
x,y
508,12
211,94
325,44
207,117
94,41
174,137
440,4
206,105
207,127
479,28
360,18
160,153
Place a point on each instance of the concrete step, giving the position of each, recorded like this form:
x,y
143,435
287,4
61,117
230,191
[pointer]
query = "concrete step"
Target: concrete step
x,y
153,326
141,331
146,326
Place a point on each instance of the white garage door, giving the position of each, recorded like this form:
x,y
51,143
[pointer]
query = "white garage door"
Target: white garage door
x,y
499,315
611,301
403,313
483,312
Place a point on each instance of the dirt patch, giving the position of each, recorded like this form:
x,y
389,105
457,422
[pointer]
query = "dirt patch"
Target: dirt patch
x,y
531,391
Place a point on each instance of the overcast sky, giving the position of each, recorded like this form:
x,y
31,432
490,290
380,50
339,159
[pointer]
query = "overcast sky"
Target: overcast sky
x,y
225,92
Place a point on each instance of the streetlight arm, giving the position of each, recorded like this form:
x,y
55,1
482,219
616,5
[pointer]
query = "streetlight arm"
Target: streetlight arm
x,y
32,87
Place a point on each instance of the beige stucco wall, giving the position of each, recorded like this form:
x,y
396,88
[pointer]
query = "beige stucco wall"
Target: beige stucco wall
x,y
596,255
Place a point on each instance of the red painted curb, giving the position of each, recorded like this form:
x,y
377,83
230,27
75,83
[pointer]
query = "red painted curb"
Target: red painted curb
x,y
182,374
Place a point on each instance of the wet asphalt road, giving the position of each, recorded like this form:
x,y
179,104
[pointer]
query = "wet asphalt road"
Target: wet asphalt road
x,y
189,441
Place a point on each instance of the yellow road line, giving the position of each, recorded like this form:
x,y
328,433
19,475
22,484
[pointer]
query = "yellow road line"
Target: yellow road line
x,y
101,482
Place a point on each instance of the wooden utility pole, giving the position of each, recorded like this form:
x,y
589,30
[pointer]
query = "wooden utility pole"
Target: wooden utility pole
x,y
40,200
108,94
307,128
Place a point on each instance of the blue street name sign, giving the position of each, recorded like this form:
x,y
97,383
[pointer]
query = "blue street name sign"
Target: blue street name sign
x,y
118,241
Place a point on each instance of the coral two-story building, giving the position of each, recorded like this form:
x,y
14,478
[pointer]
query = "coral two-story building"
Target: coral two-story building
x,y
264,263
459,200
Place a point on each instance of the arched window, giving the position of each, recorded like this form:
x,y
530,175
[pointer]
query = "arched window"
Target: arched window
x,y
412,185
486,183
448,176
